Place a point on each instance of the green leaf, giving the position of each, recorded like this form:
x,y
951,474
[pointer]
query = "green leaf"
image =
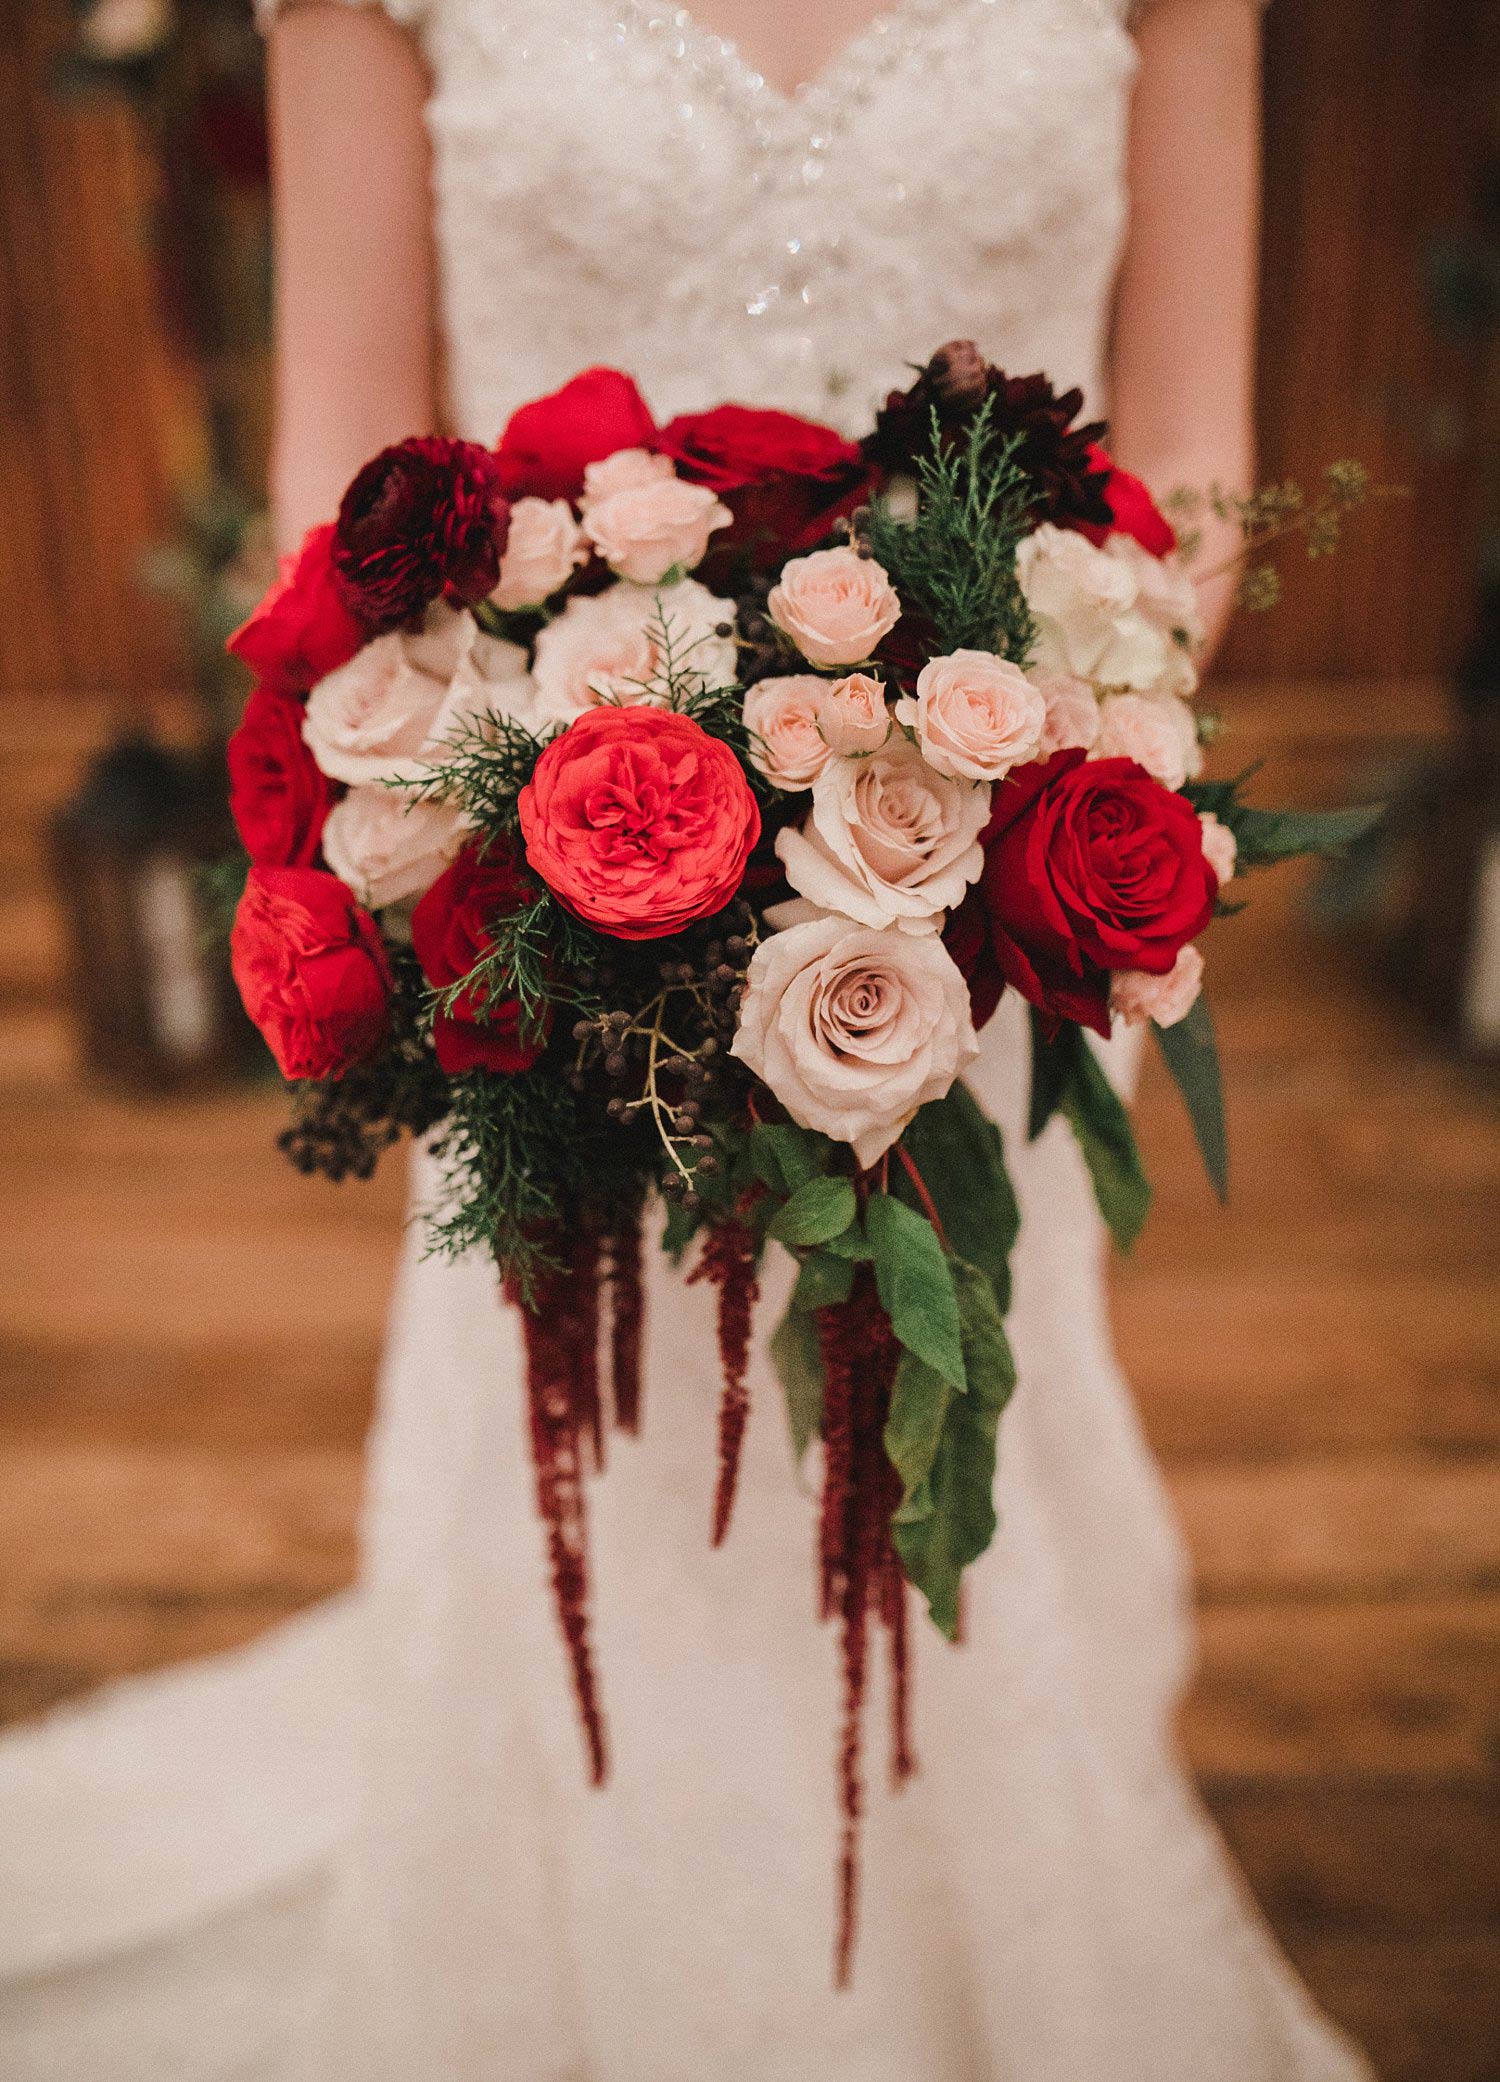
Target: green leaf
x,y
920,1401
1107,1140
1268,835
1051,1068
946,1518
915,1285
798,1359
961,1157
785,1156
851,1244
1192,1056
820,1208
823,1280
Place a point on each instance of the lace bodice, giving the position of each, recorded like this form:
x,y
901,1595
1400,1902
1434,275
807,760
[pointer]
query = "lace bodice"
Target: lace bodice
x,y
615,183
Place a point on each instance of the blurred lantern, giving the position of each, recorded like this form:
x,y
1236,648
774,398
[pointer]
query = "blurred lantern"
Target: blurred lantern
x,y
154,999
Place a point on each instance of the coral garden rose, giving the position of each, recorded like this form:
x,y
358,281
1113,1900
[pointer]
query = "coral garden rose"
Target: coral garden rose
x,y
311,969
1072,718
390,846
781,720
1157,731
975,715
1220,846
1136,996
624,471
639,821
853,714
452,928
548,444
1132,510
302,629
423,521
277,796
608,647
835,605
647,530
785,480
544,548
854,1029
888,840
1090,866
1101,614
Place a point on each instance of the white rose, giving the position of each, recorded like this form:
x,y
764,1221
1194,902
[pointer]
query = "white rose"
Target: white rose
x,y
852,714
647,530
389,846
1157,731
888,841
622,472
1220,846
1072,714
976,716
1136,997
781,716
544,548
835,605
370,719
1168,599
608,647
1092,620
854,1029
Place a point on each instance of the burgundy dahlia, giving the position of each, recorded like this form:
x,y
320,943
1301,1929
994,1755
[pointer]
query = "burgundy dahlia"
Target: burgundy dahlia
x,y
422,521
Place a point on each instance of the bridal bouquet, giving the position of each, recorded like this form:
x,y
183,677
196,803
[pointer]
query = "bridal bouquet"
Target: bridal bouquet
x,y
663,810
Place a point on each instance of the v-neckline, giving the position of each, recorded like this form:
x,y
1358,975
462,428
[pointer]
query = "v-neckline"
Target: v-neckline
x,y
845,59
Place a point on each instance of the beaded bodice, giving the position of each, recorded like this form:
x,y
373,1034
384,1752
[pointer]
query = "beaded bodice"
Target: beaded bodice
x,y
615,183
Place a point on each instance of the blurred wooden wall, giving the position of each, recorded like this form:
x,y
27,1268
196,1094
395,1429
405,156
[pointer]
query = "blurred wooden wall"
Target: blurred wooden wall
x,y
1380,113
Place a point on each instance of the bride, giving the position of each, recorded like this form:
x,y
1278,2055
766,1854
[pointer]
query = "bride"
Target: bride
x,y
778,203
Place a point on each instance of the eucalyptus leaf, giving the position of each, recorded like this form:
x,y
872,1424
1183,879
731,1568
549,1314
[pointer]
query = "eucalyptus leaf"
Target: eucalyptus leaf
x,y
915,1285
819,1209
1192,1055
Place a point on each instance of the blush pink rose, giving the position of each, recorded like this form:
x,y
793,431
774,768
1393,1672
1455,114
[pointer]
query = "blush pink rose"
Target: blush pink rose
x,y
370,719
781,717
388,846
607,647
853,716
1135,996
647,530
1157,731
975,715
544,548
835,605
624,471
1220,846
1072,722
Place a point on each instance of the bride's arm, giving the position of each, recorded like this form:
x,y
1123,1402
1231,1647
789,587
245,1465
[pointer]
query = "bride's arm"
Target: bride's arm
x,y
1183,358
354,297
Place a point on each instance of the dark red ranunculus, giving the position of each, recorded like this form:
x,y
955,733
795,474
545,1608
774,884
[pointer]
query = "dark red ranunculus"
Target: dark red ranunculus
x,y
422,521
277,795
1090,866
786,480
1132,510
450,929
302,629
548,443
311,969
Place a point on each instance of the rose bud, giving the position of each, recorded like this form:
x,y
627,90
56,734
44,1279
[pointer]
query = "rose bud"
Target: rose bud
x,y
852,714
422,521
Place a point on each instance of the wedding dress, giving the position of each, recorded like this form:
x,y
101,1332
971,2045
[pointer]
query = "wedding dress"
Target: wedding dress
x,y
363,1850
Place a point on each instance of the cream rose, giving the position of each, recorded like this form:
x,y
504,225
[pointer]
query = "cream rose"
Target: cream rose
x,y
647,530
371,718
852,714
623,471
835,605
1072,722
781,716
1168,600
975,715
1221,849
853,1029
608,647
1157,731
544,548
888,840
388,846
1096,617
1136,997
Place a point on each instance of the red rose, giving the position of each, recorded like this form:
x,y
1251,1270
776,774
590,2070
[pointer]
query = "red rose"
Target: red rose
x,y
278,797
1132,509
639,821
786,480
1090,865
302,629
450,930
424,520
546,444
311,969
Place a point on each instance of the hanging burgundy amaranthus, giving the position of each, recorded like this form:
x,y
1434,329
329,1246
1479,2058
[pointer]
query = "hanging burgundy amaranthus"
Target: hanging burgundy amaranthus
x,y
728,1261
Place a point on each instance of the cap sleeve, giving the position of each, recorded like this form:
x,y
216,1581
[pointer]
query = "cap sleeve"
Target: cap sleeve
x,y
407,12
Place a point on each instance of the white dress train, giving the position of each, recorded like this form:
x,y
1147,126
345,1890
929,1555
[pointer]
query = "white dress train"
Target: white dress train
x,y
362,1850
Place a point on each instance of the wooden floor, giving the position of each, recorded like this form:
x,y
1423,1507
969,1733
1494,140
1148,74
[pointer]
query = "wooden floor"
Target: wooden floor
x,y
187,1333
